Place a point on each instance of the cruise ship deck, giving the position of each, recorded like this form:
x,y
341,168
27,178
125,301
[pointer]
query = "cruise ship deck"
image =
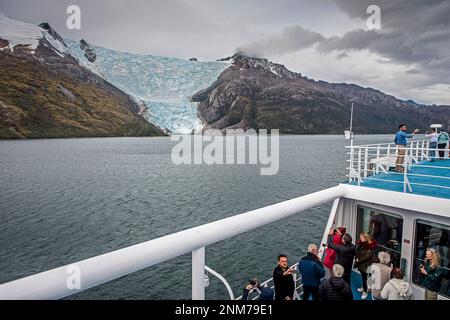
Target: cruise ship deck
x,y
428,178
426,173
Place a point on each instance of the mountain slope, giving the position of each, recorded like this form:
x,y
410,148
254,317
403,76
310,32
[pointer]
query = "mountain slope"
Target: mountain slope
x,y
256,93
163,84
46,93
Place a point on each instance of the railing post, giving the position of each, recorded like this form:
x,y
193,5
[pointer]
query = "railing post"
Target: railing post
x,y
377,169
198,274
417,150
359,166
366,159
422,150
351,166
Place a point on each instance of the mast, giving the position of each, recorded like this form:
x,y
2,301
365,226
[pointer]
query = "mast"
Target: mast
x,y
351,127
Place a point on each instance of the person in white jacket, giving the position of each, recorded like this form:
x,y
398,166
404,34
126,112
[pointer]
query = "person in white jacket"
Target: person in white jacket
x,y
397,288
380,274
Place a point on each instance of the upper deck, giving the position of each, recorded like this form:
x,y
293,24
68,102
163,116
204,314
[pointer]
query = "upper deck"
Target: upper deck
x,y
425,173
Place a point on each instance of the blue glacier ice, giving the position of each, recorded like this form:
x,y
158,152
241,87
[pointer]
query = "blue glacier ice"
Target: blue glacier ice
x,y
163,84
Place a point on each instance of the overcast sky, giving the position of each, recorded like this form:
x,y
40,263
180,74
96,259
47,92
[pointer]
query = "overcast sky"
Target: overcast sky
x,y
408,57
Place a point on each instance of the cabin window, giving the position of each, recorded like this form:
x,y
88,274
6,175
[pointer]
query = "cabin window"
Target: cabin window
x,y
436,236
385,228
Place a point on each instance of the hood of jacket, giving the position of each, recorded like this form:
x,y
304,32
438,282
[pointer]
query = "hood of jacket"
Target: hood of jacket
x,y
337,283
400,286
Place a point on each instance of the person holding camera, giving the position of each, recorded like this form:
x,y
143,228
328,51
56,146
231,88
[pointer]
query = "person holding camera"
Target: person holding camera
x,y
401,140
330,254
264,293
283,280
345,253
432,274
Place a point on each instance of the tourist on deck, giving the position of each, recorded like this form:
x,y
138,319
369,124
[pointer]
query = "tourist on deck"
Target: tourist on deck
x,y
433,274
283,280
397,288
401,142
380,274
312,271
443,140
330,254
335,288
264,293
345,253
364,256
433,136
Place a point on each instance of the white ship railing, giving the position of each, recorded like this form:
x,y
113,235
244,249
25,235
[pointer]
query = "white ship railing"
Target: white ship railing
x,y
366,161
59,282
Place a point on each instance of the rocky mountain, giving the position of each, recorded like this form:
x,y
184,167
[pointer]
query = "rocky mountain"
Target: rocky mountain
x,y
256,93
46,93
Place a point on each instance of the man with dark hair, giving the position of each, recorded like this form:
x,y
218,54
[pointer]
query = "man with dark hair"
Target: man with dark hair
x,y
401,142
345,253
283,280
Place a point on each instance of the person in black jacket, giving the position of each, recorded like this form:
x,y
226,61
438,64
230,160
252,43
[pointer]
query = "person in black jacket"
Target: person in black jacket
x,y
344,253
335,288
283,280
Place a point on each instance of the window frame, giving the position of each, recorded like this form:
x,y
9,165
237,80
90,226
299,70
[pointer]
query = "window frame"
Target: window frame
x,y
413,253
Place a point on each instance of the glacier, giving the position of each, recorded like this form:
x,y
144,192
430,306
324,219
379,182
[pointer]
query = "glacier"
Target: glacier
x,y
163,84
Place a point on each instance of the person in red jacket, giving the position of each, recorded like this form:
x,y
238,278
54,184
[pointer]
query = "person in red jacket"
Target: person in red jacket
x,y
330,254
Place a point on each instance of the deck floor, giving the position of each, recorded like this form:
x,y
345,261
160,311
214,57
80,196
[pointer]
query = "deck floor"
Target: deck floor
x,y
384,181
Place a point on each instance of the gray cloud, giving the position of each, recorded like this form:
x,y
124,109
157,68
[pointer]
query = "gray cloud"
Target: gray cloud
x,y
291,39
416,34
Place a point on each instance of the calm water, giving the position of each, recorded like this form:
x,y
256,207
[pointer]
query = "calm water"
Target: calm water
x,y
66,200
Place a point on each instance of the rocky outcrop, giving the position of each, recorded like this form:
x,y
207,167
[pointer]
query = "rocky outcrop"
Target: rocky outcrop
x,y
46,93
88,51
256,93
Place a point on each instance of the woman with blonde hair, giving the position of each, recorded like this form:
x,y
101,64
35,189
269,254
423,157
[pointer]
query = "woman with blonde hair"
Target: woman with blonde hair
x,y
364,256
433,274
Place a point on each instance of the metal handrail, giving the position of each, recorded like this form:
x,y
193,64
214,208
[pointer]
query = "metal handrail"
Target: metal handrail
x,y
222,279
363,163
54,284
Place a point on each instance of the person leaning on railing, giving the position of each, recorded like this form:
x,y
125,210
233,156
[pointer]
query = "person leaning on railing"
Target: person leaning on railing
x,y
433,136
401,140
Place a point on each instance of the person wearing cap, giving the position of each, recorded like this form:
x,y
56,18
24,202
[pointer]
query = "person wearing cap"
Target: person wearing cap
x,y
330,254
345,253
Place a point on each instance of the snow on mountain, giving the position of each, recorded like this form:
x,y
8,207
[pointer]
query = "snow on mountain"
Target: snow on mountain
x,y
164,84
16,33
28,35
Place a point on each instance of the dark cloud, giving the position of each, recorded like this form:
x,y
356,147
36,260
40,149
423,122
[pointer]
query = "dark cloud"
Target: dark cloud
x,y
291,39
414,33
